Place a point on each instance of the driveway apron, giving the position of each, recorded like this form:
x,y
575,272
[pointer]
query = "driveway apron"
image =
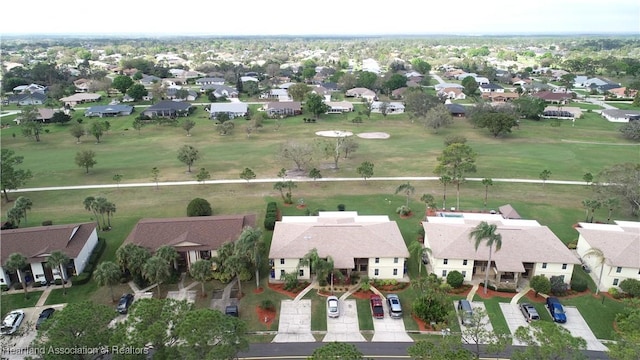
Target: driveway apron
x,y
295,322
344,328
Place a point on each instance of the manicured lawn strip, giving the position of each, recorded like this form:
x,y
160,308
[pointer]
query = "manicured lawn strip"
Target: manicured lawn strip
x,y
598,315
17,301
76,294
365,320
495,314
623,106
250,301
318,311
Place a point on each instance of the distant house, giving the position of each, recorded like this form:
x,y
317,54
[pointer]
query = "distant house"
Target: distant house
x,y
210,81
77,241
220,91
481,80
285,108
148,80
623,92
620,245
554,98
452,93
168,109
339,107
615,115
457,110
249,78
278,94
83,85
393,107
562,112
499,96
489,88
45,115
31,88
80,98
441,86
109,110
234,110
194,238
174,93
369,245
27,99
362,93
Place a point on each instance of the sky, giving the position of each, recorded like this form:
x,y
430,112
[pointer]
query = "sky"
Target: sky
x,y
326,17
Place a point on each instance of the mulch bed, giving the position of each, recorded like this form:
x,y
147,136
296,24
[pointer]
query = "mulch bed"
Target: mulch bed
x,y
266,316
280,288
362,294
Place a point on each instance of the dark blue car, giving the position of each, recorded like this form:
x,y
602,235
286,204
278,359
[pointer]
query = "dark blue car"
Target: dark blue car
x,y
556,310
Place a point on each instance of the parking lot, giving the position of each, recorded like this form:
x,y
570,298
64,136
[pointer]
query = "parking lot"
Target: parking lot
x,y
388,329
27,331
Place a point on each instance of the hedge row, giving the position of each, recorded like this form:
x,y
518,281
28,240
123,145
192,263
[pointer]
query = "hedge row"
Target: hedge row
x,y
271,216
85,276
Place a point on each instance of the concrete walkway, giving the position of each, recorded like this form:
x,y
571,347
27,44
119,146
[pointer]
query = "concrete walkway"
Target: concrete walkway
x,y
183,292
44,296
472,292
225,299
523,292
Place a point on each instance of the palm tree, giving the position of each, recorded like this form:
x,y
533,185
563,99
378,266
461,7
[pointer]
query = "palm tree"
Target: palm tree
x,y
24,204
156,270
251,244
14,215
235,264
417,250
407,189
321,267
16,262
486,182
444,179
201,271
132,257
600,260
110,209
429,201
107,273
169,254
610,204
101,205
90,205
486,232
58,259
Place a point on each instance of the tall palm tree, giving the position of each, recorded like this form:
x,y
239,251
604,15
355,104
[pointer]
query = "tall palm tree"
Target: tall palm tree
x,y
14,215
156,270
321,267
90,205
407,189
201,271
486,182
107,273
110,209
16,262
600,260
24,204
102,204
132,257
58,259
610,204
444,179
417,250
485,232
250,243
234,264
169,254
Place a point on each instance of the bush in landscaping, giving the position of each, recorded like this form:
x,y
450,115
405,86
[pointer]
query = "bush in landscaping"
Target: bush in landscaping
x,y
631,287
4,287
578,284
455,279
540,284
47,223
17,286
199,207
403,210
267,304
271,216
81,279
558,286
341,207
615,293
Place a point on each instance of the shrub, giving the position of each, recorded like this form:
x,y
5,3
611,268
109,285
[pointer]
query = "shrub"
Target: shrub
x,y
366,284
4,287
47,223
267,304
271,216
199,207
58,281
540,284
403,210
615,293
455,279
18,286
578,284
631,287
81,279
558,286
506,290
341,207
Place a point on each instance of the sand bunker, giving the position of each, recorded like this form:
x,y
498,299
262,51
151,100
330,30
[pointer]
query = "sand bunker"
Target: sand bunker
x,y
374,135
334,133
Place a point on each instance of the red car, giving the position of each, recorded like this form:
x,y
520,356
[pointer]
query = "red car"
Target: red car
x,y
376,307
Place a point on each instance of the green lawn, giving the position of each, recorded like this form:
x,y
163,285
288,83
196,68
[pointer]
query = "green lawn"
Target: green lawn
x,y
623,106
365,319
495,313
598,313
10,302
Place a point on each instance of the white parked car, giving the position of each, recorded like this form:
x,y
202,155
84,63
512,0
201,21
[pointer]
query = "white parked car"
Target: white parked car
x,y
333,307
12,322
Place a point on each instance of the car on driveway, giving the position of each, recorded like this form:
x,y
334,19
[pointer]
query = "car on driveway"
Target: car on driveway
x,y
124,303
44,315
11,322
395,307
377,310
333,307
530,313
556,310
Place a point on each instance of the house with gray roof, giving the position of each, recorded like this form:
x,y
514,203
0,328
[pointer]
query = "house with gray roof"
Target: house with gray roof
x,y
283,108
194,238
369,245
77,241
109,110
528,249
616,115
233,109
619,244
220,91
27,98
168,109
210,81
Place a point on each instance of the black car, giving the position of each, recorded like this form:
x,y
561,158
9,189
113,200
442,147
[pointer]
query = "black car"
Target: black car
x,y
232,310
124,303
44,315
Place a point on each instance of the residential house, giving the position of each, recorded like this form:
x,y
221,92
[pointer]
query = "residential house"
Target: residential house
x,y
393,107
210,81
149,80
331,86
277,94
174,93
441,86
499,96
528,249
220,91
283,108
168,109
457,110
369,245
194,238
553,98
109,110
623,92
371,65
562,112
463,75
491,88
615,115
398,93
454,93
80,98
84,85
35,98
249,78
481,80
76,241
339,107
620,245
362,93
31,88
580,81
234,109
453,73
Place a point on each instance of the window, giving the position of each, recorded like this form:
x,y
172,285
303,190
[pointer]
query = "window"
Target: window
x,y
395,272
444,273
619,269
544,265
301,272
376,272
564,266
615,281
464,262
445,261
464,273
281,261
395,260
282,273
377,260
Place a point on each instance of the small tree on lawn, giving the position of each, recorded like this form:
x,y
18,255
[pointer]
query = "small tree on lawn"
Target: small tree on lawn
x,y
486,182
540,284
187,125
315,174
247,174
544,176
188,155
407,189
59,260
155,175
203,175
365,170
86,159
